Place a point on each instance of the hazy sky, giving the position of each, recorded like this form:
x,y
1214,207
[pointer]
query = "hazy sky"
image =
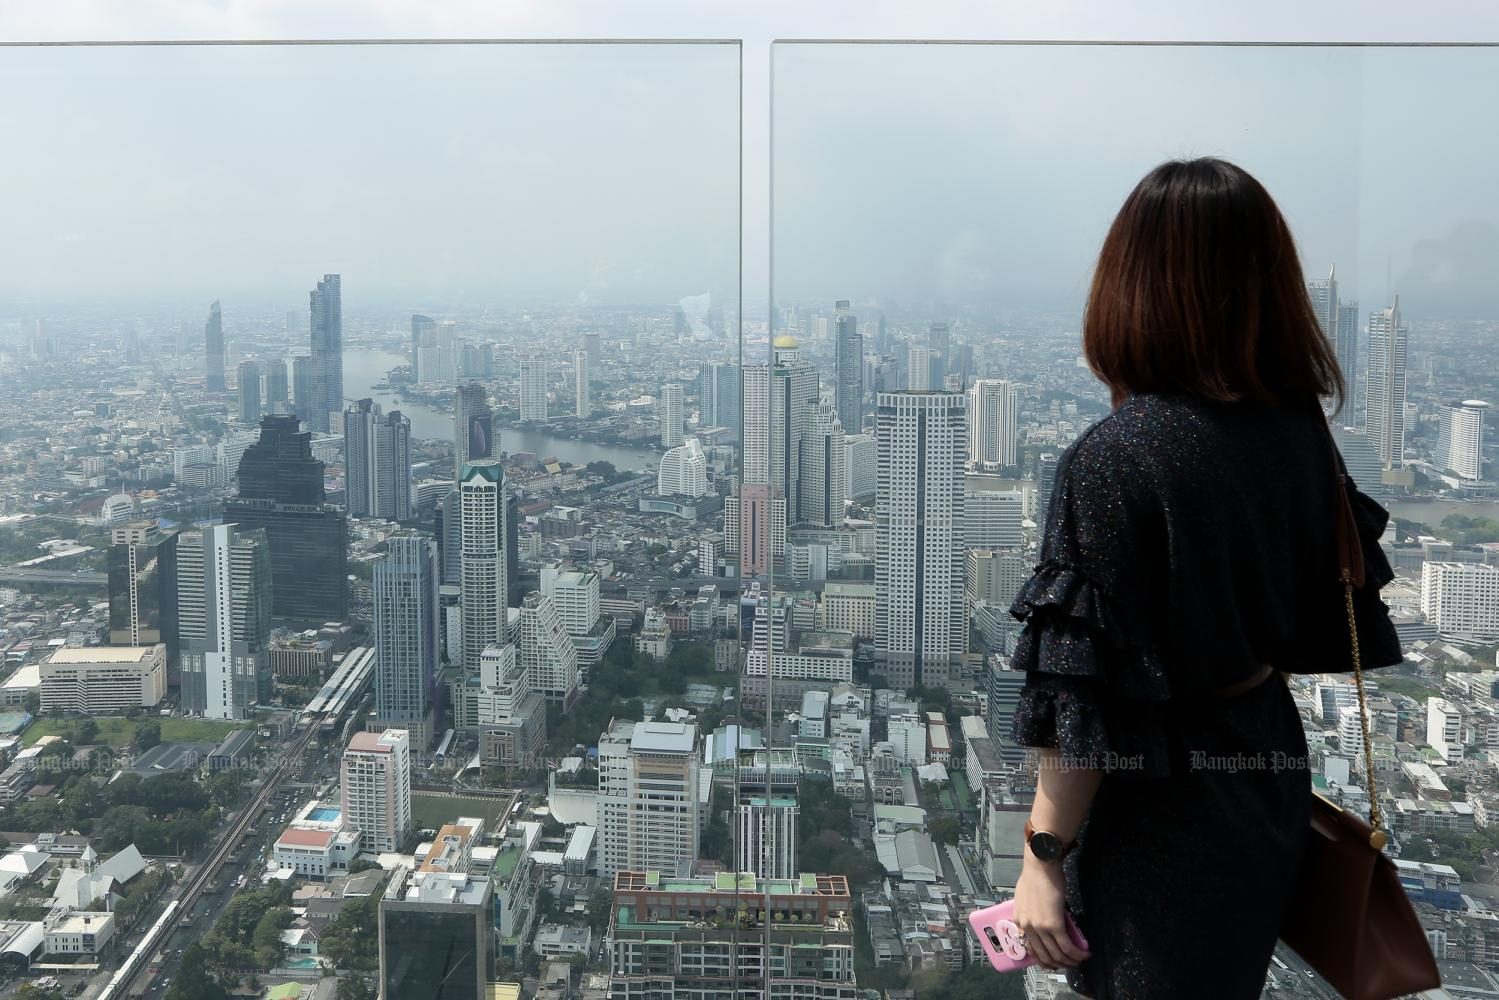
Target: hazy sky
x,y
529,172
990,173
571,173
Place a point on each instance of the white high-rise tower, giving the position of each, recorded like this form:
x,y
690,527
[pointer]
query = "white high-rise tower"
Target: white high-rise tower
x,y
482,577
671,415
580,378
1388,336
533,389
920,629
993,408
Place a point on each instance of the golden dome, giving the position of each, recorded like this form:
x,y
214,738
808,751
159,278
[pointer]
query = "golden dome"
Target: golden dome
x,y
787,341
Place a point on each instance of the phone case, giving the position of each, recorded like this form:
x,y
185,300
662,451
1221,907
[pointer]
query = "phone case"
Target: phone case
x,y
1000,936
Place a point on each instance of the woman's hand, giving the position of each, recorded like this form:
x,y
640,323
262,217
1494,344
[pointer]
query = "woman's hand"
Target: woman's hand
x,y
1041,913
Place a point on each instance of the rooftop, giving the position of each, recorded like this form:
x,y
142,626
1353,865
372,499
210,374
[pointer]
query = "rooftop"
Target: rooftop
x,y
102,654
370,741
663,737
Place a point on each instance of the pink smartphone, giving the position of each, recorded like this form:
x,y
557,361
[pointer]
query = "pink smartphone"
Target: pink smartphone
x,y
1000,936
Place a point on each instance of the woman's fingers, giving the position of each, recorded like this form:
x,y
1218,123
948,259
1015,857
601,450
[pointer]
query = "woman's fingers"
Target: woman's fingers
x,y
1040,947
1053,947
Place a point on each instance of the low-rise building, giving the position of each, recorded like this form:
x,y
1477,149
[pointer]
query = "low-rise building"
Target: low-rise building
x,y
103,680
80,933
562,941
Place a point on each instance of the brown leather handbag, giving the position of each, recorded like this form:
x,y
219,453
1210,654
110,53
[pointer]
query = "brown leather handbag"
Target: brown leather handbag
x,y
1350,918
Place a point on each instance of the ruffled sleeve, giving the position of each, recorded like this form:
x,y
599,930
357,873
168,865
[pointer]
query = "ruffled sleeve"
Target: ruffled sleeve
x,y
1095,685
1379,645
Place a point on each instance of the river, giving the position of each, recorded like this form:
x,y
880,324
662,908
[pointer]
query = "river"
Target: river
x,y
364,368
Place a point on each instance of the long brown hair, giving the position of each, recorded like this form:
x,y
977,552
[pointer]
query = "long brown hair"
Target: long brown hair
x,y
1199,290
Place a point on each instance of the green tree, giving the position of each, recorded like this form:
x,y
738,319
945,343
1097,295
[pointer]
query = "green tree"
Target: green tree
x,y
946,830
147,734
266,939
600,904
351,939
354,988
193,980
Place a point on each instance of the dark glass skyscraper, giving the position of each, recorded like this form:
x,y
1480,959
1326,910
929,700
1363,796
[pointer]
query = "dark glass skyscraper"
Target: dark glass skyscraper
x,y
326,305
849,346
281,490
301,386
143,588
473,426
275,386
213,343
249,391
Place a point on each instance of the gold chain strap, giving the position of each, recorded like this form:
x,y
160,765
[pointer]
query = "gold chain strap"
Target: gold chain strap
x,y
1363,705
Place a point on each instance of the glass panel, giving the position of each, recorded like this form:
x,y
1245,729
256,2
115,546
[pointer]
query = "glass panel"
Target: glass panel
x,y
936,214
393,389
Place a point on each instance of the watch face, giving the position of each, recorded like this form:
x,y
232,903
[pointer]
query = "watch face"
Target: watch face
x,y
1045,846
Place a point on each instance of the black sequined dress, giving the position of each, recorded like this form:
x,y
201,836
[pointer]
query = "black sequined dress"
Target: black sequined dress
x,y
1189,543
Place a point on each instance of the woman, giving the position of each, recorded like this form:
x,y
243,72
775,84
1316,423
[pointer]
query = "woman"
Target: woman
x,y
1188,557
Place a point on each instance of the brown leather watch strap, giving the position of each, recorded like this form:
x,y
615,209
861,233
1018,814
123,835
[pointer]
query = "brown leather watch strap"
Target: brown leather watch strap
x,y
1030,830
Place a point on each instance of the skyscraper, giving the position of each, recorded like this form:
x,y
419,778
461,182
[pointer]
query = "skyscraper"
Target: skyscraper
x,y
683,471
143,588
756,429
923,370
718,395
281,491
648,796
671,415
406,635
473,426
481,567
1388,335
920,630
248,383
794,389
375,788
377,461
1339,323
547,653
1460,439
301,387
580,385
849,352
422,329
993,414
824,473
595,353
275,386
213,342
1046,481
1348,361
533,389
223,619
327,324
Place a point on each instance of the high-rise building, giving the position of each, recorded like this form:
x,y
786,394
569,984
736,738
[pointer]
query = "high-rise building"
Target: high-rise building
x,y
823,481
213,343
482,575
377,462
756,428
512,535
993,415
593,348
143,588
922,369
102,680
648,796
580,385
248,384
861,454
281,491
754,527
1385,416
437,935
422,330
546,652
991,519
1461,599
301,386
920,630
1046,481
533,389
1460,439
683,471
327,324
849,361
375,788
671,415
406,635
224,619
1347,347
448,527
500,705
276,386
767,836
576,595
1002,687
473,426
939,339
718,395
795,389
1339,323
730,936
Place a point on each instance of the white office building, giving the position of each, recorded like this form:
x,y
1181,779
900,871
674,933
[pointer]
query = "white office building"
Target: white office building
x,y
861,456
581,387
767,836
1461,600
993,412
648,796
546,650
921,630
482,573
1444,729
533,389
103,680
576,595
683,471
1460,439
375,788
991,519
223,619
824,472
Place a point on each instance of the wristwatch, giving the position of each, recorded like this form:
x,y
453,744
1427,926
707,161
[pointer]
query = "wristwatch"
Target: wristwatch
x,y
1045,846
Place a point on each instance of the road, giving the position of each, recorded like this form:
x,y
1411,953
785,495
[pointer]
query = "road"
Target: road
x,y
13,574
192,891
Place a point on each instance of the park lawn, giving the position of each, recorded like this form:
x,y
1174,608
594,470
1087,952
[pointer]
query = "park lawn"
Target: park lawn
x,y
115,730
430,810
